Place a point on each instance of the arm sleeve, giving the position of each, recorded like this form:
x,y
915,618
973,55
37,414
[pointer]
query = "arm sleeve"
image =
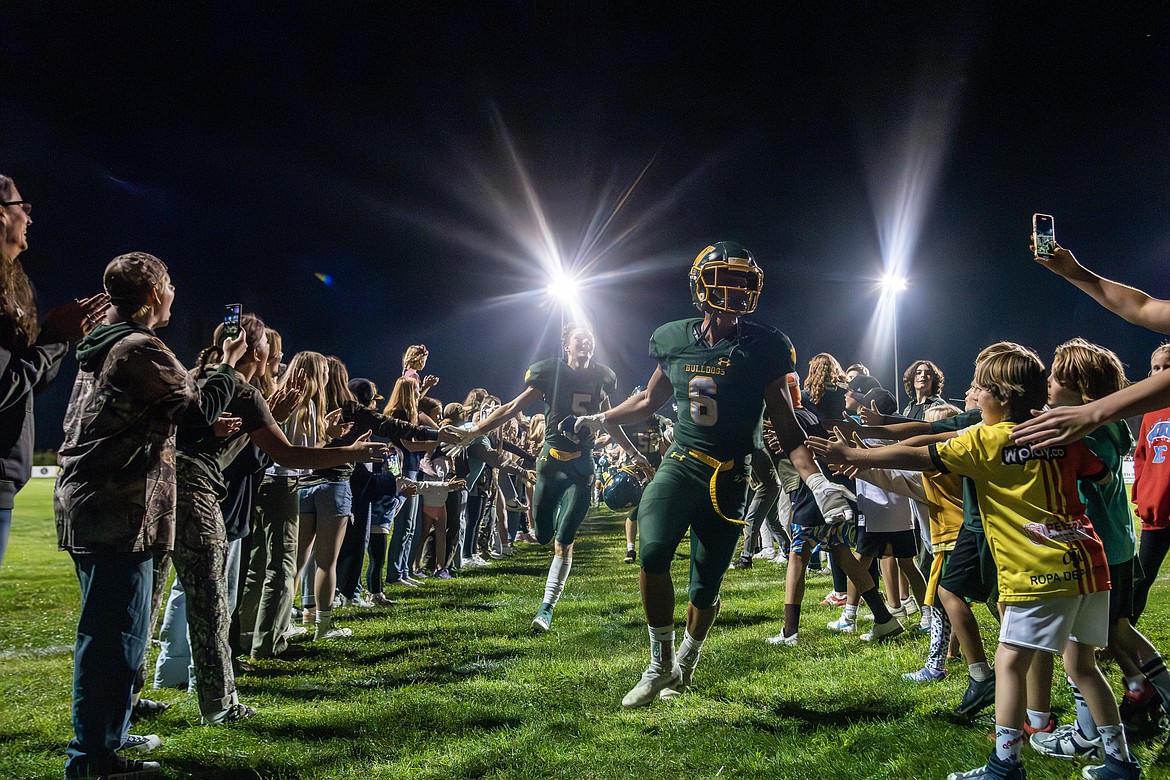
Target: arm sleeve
x,y
215,391
27,371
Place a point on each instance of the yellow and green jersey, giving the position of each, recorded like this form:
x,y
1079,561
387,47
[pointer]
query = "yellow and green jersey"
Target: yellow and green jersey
x,y
1043,544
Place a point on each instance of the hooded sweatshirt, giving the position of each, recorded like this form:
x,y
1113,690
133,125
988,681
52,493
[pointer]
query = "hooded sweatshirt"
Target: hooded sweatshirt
x,y
24,372
116,490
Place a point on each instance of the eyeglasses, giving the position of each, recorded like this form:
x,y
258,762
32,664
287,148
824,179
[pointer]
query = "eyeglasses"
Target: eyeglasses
x,y
24,204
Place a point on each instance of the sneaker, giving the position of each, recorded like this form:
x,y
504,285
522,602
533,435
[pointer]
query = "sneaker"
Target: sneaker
x,y
340,601
361,602
834,599
119,768
381,600
1113,769
294,631
416,575
910,605
333,633
979,694
741,563
654,680
842,624
543,619
232,714
1047,728
495,555
686,671
405,582
898,614
925,675
509,551
141,744
994,769
765,554
442,574
1066,742
780,639
516,505
526,536
1143,713
631,556
781,559
883,632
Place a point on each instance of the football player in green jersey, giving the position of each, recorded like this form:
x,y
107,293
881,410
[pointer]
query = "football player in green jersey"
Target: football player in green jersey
x,y
571,385
723,370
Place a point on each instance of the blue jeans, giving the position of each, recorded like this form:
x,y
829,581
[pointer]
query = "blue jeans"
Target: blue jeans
x,y
112,633
402,537
5,527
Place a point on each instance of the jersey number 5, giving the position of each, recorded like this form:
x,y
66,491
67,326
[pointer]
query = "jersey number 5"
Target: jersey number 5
x,y
582,404
704,408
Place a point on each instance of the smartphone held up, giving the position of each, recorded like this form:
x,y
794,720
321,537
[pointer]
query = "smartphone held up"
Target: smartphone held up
x,y
1043,235
231,320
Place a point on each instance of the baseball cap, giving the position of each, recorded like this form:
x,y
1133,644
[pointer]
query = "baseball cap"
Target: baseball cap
x,y
862,384
129,278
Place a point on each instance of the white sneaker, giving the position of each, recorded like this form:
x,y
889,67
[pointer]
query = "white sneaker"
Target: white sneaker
x,y
654,680
361,601
334,633
765,554
843,625
686,671
295,631
339,601
910,605
780,639
781,559
883,631
141,743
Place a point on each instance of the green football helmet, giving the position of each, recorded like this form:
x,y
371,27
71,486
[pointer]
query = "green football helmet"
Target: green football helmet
x,y
725,277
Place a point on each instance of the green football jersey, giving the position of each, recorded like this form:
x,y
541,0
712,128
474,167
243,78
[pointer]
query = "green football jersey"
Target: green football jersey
x,y
719,389
570,393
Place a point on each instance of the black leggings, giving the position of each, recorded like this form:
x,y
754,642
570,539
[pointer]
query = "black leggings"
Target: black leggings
x,y
1155,545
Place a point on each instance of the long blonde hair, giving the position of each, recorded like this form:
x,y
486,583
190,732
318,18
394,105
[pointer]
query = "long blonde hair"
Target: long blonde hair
x,y
403,402
263,380
823,372
316,368
414,357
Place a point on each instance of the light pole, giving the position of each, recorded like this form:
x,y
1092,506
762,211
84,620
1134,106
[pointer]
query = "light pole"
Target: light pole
x,y
892,286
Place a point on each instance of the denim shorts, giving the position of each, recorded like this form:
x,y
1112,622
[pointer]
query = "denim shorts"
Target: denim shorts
x,y
332,499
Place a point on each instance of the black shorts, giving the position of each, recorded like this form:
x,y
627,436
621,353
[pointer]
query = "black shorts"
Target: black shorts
x,y
970,569
1121,577
873,544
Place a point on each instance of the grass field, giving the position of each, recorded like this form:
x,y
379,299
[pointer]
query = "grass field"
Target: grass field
x,y
450,683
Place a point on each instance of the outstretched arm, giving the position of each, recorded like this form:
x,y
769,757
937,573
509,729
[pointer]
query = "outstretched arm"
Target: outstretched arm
x,y
1127,302
1066,424
501,415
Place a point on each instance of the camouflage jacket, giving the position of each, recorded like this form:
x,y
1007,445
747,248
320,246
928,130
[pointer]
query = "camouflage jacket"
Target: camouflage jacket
x,y
116,489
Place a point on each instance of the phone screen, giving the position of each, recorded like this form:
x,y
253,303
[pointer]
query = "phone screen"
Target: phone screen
x,y
1043,236
231,320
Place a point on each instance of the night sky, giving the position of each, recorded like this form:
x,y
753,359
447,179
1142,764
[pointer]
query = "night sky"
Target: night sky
x,y
390,149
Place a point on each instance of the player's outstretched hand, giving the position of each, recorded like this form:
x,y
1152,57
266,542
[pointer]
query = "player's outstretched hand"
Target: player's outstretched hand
x,y
832,499
589,424
1061,425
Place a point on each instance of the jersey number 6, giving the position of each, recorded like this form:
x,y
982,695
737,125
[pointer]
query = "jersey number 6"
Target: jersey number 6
x,y
704,408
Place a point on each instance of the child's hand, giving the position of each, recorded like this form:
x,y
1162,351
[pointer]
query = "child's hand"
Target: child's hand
x,y
871,416
334,427
835,449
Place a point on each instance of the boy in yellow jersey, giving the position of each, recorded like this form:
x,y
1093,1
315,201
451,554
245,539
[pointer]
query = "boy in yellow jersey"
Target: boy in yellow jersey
x,y
1053,574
